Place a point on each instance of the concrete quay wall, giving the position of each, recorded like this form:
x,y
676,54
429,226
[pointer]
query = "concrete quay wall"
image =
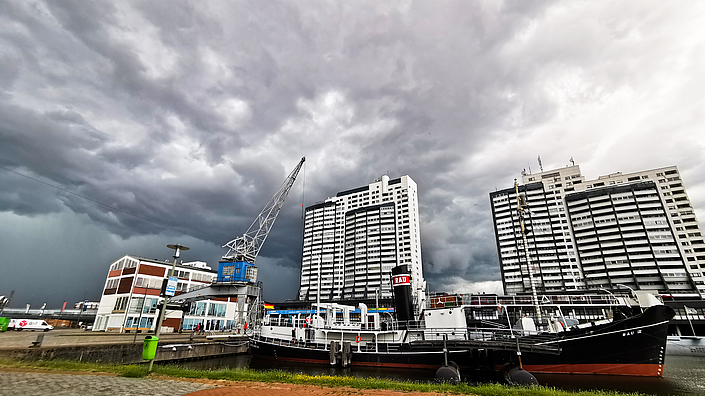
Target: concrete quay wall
x,y
77,345
125,353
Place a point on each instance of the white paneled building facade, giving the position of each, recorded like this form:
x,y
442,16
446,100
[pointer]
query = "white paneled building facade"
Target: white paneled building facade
x,y
353,240
635,230
131,295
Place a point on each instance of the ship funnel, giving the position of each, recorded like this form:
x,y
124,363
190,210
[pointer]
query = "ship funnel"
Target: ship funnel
x,y
401,281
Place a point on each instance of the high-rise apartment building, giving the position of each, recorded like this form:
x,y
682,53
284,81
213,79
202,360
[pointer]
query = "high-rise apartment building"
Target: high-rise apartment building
x,y
353,240
635,230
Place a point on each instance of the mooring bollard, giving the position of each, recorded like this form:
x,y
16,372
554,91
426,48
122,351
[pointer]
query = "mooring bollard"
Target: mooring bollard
x,y
38,342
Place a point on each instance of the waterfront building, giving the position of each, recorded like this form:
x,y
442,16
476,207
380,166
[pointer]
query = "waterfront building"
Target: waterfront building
x,y
131,296
353,240
635,230
86,305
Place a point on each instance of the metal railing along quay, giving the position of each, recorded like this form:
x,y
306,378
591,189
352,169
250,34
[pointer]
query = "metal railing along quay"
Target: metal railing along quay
x,y
66,314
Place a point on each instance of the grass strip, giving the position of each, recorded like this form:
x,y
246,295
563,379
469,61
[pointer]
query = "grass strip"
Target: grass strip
x,y
303,379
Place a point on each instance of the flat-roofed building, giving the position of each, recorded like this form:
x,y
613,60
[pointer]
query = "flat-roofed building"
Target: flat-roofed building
x,y
353,240
635,230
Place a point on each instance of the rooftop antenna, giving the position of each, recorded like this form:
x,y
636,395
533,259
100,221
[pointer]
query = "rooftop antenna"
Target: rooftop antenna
x,y
571,160
540,164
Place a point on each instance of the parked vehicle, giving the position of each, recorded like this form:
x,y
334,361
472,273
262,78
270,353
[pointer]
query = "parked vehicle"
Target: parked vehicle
x,y
29,324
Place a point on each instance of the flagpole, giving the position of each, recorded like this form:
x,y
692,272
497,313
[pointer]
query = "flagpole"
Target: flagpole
x,y
689,321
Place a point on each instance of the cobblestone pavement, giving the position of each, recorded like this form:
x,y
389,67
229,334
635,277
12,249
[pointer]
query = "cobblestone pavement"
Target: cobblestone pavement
x,y
14,383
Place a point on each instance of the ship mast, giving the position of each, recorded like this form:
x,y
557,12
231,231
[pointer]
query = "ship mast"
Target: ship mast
x,y
521,204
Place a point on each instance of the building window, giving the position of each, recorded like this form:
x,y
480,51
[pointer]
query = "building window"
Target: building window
x,y
121,304
112,283
149,283
216,309
198,309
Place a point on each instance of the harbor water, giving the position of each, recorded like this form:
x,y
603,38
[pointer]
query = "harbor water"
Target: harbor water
x,y
683,375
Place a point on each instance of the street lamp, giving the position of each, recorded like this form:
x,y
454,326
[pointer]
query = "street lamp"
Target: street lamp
x,y
177,252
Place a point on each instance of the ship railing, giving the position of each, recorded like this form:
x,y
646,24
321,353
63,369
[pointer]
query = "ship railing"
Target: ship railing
x,y
481,334
556,318
489,337
277,321
286,321
494,334
496,301
302,343
290,342
409,324
346,326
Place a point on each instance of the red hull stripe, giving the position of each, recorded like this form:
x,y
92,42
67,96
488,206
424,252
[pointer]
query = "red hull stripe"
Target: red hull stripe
x,y
634,369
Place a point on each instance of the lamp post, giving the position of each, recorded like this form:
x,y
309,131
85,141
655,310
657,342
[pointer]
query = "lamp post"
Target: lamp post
x,y
177,251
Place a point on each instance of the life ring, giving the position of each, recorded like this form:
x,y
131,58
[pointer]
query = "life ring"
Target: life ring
x,y
357,339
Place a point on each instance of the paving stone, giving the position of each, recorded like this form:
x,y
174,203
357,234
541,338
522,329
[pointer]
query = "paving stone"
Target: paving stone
x,y
13,383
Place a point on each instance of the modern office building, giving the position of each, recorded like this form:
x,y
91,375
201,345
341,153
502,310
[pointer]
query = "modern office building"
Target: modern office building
x,y
132,292
635,230
353,240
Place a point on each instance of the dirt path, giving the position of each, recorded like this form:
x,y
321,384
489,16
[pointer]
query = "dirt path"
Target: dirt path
x,y
229,388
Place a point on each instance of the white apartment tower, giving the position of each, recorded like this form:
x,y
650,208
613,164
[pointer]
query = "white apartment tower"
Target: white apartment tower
x,y
635,230
353,240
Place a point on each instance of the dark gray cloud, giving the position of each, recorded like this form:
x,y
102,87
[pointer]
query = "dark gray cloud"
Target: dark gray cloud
x,y
189,116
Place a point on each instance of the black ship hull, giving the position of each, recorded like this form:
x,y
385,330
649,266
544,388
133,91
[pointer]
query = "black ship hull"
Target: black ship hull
x,y
634,346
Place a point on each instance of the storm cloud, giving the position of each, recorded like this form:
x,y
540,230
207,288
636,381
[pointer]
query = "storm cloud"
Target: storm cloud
x,y
126,126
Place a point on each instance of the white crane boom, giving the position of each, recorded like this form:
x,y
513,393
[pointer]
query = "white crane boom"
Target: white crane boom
x,y
247,247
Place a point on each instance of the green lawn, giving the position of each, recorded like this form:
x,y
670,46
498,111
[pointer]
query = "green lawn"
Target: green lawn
x,y
294,378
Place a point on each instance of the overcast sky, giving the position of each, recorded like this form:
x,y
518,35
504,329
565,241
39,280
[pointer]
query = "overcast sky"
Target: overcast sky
x,y
167,122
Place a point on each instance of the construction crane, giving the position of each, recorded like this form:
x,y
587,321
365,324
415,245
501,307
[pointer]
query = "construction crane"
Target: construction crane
x,y
237,274
247,246
237,265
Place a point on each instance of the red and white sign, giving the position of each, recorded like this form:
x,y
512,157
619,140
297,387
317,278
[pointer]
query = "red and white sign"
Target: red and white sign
x,y
23,323
401,280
